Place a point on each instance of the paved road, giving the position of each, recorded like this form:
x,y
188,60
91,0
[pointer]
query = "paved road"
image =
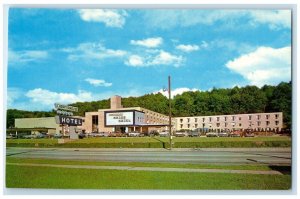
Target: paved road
x,y
270,156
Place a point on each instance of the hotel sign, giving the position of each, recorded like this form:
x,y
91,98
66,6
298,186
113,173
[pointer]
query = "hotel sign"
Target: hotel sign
x,y
60,119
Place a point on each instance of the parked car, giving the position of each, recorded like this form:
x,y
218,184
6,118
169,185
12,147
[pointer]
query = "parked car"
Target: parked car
x,y
134,134
58,135
29,136
164,134
211,134
9,137
193,134
249,135
235,135
180,134
95,134
223,134
40,136
81,135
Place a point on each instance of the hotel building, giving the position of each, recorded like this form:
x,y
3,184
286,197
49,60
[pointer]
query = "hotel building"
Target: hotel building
x,y
218,123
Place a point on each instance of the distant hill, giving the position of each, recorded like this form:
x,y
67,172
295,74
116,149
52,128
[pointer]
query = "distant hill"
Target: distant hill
x,y
248,99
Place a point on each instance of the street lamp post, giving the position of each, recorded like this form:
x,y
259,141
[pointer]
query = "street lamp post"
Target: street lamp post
x,y
170,114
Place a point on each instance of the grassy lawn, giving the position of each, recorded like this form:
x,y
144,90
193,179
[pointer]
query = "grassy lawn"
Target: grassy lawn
x,y
156,142
139,164
66,178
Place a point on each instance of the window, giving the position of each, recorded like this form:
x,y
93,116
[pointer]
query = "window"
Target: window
x,y
233,117
95,120
181,125
188,126
250,117
225,118
188,120
267,117
240,124
276,116
196,125
240,118
210,119
258,117
218,118
181,120
196,119
203,119
258,123
218,124
267,123
276,123
225,124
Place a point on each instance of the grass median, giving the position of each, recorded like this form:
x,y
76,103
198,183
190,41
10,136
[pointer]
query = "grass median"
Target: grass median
x,y
70,178
156,142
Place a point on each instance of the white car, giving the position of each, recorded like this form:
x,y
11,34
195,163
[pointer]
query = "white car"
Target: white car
x,y
133,134
164,134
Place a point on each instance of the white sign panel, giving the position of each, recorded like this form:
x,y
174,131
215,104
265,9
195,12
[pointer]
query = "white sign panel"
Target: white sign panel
x,y
119,118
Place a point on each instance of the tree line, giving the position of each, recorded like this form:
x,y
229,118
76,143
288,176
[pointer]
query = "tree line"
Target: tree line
x,y
218,101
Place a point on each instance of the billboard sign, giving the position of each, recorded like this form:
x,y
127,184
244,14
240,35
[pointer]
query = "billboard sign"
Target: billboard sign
x,y
60,119
118,118
124,118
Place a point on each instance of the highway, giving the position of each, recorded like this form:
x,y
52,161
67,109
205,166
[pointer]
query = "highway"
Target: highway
x,y
269,156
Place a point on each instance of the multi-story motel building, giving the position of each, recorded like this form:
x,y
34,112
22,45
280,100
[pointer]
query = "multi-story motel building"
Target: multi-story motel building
x,y
241,122
114,119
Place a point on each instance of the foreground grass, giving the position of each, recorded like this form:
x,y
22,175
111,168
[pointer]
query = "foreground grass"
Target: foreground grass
x,y
157,142
66,178
138,164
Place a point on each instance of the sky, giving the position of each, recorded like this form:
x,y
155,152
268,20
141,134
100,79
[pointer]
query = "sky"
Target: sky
x,y
78,55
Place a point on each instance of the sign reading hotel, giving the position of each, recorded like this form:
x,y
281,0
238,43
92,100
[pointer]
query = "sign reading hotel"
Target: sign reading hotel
x,y
123,118
60,119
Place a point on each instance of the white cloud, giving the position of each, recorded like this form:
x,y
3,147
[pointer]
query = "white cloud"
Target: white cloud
x,y
187,48
135,60
12,95
177,91
26,56
159,58
98,82
264,66
275,19
166,19
149,43
165,58
46,97
92,51
111,18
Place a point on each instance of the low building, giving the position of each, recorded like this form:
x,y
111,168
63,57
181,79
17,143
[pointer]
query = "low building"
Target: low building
x,y
241,122
45,125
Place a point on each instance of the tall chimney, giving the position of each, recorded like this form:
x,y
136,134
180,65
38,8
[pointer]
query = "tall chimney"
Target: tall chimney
x,y
115,102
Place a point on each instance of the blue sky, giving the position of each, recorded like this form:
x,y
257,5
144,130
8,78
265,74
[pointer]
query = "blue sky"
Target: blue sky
x,y
69,55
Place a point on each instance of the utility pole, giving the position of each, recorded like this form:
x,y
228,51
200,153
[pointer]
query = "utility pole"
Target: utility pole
x,y
170,114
